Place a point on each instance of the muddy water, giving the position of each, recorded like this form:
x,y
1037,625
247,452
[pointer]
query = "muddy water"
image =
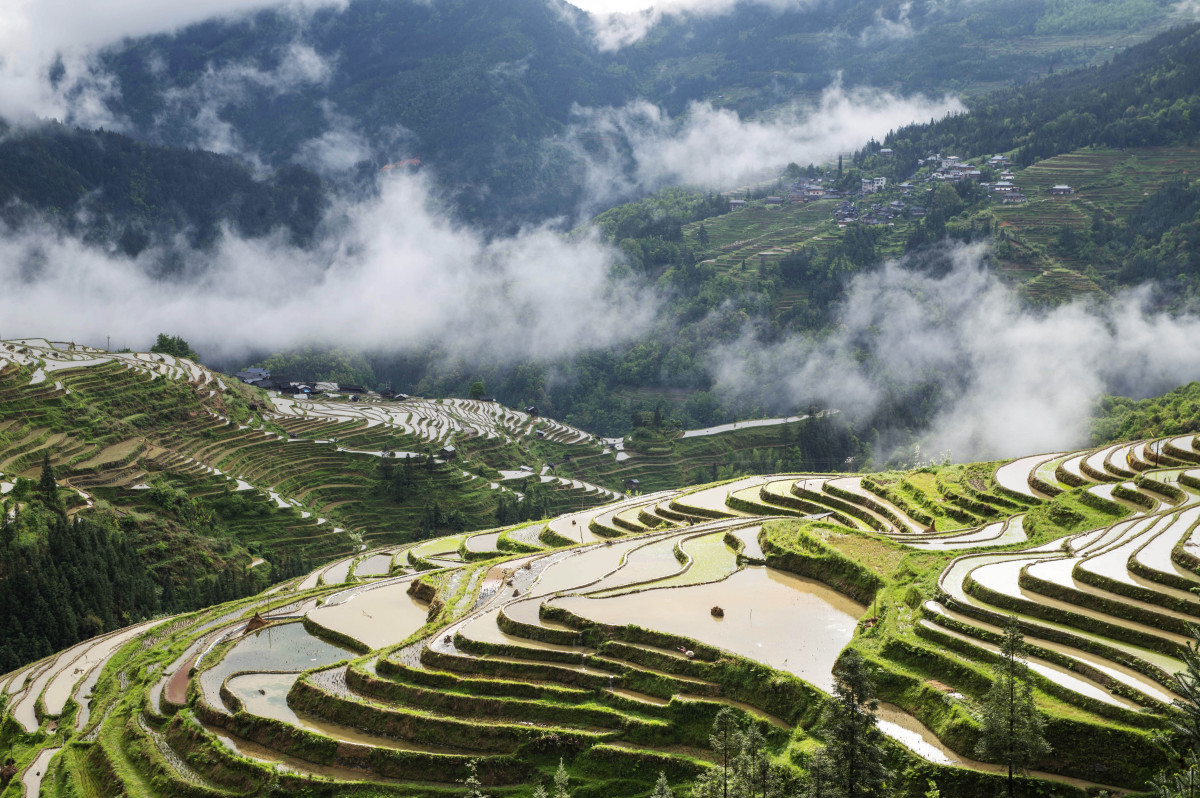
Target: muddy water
x,y
1128,676
952,582
285,647
584,567
32,779
265,695
483,543
654,560
1055,673
527,612
749,537
713,499
337,573
784,621
1015,475
484,629
1013,532
23,709
290,764
376,616
375,565
1157,553
711,559
59,689
912,734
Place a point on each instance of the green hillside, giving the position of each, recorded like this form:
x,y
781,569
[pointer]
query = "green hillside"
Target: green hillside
x,y
583,649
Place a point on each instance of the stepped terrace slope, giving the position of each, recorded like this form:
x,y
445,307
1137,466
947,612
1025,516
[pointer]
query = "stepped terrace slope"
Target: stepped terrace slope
x,y
589,639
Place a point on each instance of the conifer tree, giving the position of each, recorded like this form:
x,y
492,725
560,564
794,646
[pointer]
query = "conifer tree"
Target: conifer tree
x,y
853,742
47,486
560,781
1013,730
662,787
472,783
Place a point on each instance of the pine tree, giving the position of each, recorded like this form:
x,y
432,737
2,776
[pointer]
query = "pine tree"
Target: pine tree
x,y
662,787
821,779
472,783
47,486
853,740
560,781
725,743
1013,730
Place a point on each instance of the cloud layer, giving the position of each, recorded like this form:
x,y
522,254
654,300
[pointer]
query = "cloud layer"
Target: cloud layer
x,y
639,147
619,23
38,37
396,275
1011,381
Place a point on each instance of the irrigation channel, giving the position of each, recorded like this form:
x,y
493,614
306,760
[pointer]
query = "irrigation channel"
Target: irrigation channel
x,y
615,630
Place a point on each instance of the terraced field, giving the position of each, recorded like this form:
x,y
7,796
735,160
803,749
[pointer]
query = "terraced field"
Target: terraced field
x,y
301,476
594,639
1111,183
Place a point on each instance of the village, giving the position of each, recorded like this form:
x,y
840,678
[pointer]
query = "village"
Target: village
x,y
878,202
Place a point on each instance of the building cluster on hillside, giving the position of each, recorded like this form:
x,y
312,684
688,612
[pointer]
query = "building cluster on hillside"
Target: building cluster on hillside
x,y
284,384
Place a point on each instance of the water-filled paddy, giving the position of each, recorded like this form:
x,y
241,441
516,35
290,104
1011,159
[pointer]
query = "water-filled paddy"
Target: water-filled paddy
x,y
286,647
265,695
787,622
377,616
375,565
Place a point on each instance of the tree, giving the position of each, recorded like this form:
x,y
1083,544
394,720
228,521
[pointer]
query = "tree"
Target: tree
x,y
472,783
478,390
1013,730
1182,738
47,486
1181,784
662,787
853,742
560,781
702,235
822,781
1183,729
724,742
174,345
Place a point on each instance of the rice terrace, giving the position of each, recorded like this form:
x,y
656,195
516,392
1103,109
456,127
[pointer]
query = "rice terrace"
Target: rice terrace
x,y
608,638
600,399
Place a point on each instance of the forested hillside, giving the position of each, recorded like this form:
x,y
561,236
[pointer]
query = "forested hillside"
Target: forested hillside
x,y
109,188
1145,96
484,94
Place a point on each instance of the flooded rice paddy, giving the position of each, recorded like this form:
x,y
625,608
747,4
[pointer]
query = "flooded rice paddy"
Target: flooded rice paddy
x,y
282,647
377,616
784,621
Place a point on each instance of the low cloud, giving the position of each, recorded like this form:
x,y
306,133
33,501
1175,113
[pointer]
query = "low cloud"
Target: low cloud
x,y
619,23
888,28
639,147
1006,380
395,274
48,48
204,101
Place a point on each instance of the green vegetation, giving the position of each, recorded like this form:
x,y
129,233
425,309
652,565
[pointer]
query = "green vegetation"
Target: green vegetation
x,y
1174,413
1013,730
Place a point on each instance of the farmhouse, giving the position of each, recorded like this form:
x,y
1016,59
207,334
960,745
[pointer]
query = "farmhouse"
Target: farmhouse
x,y
253,374
1061,190
735,204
